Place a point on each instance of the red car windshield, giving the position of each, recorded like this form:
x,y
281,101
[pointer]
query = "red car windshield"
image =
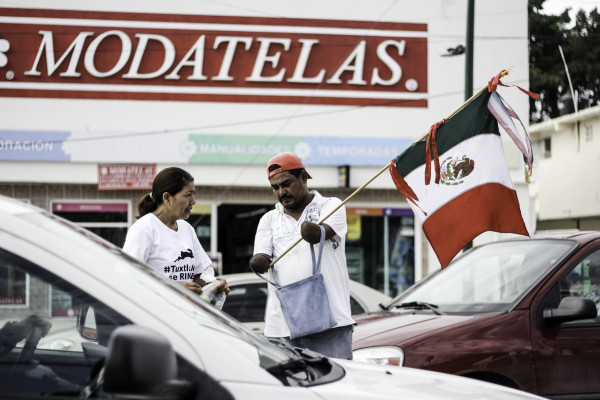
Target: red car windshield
x,y
489,278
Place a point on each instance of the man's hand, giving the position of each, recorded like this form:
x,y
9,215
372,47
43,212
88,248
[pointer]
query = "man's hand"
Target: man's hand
x,y
36,320
260,263
13,332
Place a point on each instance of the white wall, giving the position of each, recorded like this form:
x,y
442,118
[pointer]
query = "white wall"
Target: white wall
x,y
566,183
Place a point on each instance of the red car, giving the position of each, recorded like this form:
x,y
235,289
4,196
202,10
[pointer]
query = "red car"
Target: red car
x,y
521,313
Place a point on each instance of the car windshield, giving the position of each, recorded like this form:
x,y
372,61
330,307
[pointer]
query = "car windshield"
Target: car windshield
x,y
490,278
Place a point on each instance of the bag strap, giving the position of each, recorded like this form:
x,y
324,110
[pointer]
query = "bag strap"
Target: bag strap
x,y
316,264
277,285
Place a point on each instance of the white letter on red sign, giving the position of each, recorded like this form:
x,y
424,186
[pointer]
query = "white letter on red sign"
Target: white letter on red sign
x,y
197,62
298,76
389,62
139,54
48,44
357,57
91,52
232,42
262,58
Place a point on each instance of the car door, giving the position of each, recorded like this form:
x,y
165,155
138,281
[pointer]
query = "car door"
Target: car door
x,y
567,356
43,355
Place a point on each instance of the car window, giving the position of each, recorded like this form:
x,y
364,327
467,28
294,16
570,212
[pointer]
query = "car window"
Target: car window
x,y
51,333
583,281
489,278
355,307
247,302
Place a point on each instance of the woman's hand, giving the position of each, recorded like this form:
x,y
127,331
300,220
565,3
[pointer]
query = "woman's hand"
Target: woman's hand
x,y
194,287
222,287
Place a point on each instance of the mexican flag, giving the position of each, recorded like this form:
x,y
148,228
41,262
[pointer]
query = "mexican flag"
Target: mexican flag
x,y
456,179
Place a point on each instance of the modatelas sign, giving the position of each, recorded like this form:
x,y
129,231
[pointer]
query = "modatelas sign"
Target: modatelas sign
x,y
110,55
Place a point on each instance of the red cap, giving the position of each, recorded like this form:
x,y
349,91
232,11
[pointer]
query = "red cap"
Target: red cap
x,y
286,162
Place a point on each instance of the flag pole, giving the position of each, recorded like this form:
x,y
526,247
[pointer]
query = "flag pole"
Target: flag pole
x,y
470,99
502,74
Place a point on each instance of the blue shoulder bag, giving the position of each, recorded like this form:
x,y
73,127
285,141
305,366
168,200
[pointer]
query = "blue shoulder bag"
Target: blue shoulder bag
x,y
305,304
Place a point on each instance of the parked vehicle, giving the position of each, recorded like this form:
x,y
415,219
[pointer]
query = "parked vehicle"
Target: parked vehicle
x,y
143,336
521,313
248,299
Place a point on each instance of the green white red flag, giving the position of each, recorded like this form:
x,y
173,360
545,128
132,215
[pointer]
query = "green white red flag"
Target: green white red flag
x,y
471,191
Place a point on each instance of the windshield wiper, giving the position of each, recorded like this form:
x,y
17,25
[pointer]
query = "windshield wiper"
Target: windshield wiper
x,y
381,306
291,365
304,367
419,305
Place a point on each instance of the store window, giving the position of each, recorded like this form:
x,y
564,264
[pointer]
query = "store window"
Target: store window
x,y
237,229
380,248
14,287
200,219
107,219
401,246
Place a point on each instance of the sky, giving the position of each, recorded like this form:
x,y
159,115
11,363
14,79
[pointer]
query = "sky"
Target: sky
x,y
556,7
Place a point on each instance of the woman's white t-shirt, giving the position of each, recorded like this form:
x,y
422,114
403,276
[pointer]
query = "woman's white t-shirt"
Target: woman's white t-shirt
x,y
176,254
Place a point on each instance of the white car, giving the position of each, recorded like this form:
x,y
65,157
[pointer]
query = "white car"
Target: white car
x,y
147,337
248,298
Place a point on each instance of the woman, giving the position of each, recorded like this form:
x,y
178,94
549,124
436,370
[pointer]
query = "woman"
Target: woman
x,y
163,240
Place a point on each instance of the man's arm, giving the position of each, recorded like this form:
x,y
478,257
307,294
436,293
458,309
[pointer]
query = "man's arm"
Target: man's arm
x,y
14,331
263,245
311,232
260,262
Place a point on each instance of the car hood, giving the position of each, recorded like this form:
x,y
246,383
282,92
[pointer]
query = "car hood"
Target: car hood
x,y
368,381
392,328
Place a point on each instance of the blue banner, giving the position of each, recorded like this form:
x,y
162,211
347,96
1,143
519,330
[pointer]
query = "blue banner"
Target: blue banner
x,y
33,145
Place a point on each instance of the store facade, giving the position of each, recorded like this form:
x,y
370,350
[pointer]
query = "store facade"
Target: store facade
x,y
96,101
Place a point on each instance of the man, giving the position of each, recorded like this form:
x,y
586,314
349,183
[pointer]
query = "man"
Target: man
x,y
295,216
12,332
594,275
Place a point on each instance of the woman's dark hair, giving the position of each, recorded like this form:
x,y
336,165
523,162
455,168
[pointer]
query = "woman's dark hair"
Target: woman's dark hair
x,y
170,180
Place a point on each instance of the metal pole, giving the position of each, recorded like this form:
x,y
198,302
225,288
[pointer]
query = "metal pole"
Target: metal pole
x,y
575,100
386,255
469,62
469,49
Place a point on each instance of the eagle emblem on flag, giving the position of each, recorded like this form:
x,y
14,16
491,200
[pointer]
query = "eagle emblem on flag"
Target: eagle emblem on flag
x,y
454,169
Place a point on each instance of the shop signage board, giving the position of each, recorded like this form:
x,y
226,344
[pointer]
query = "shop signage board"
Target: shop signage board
x,y
143,56
191,148
89,207
125,176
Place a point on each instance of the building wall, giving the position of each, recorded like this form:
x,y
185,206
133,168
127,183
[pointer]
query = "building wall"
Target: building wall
x,y
41,194
566,185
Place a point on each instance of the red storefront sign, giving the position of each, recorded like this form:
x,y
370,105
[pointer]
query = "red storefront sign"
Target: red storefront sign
x,y
106,55
125,176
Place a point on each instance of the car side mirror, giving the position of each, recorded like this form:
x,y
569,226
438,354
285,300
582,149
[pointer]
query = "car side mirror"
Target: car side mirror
x,y
141,363
86,323
571,309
